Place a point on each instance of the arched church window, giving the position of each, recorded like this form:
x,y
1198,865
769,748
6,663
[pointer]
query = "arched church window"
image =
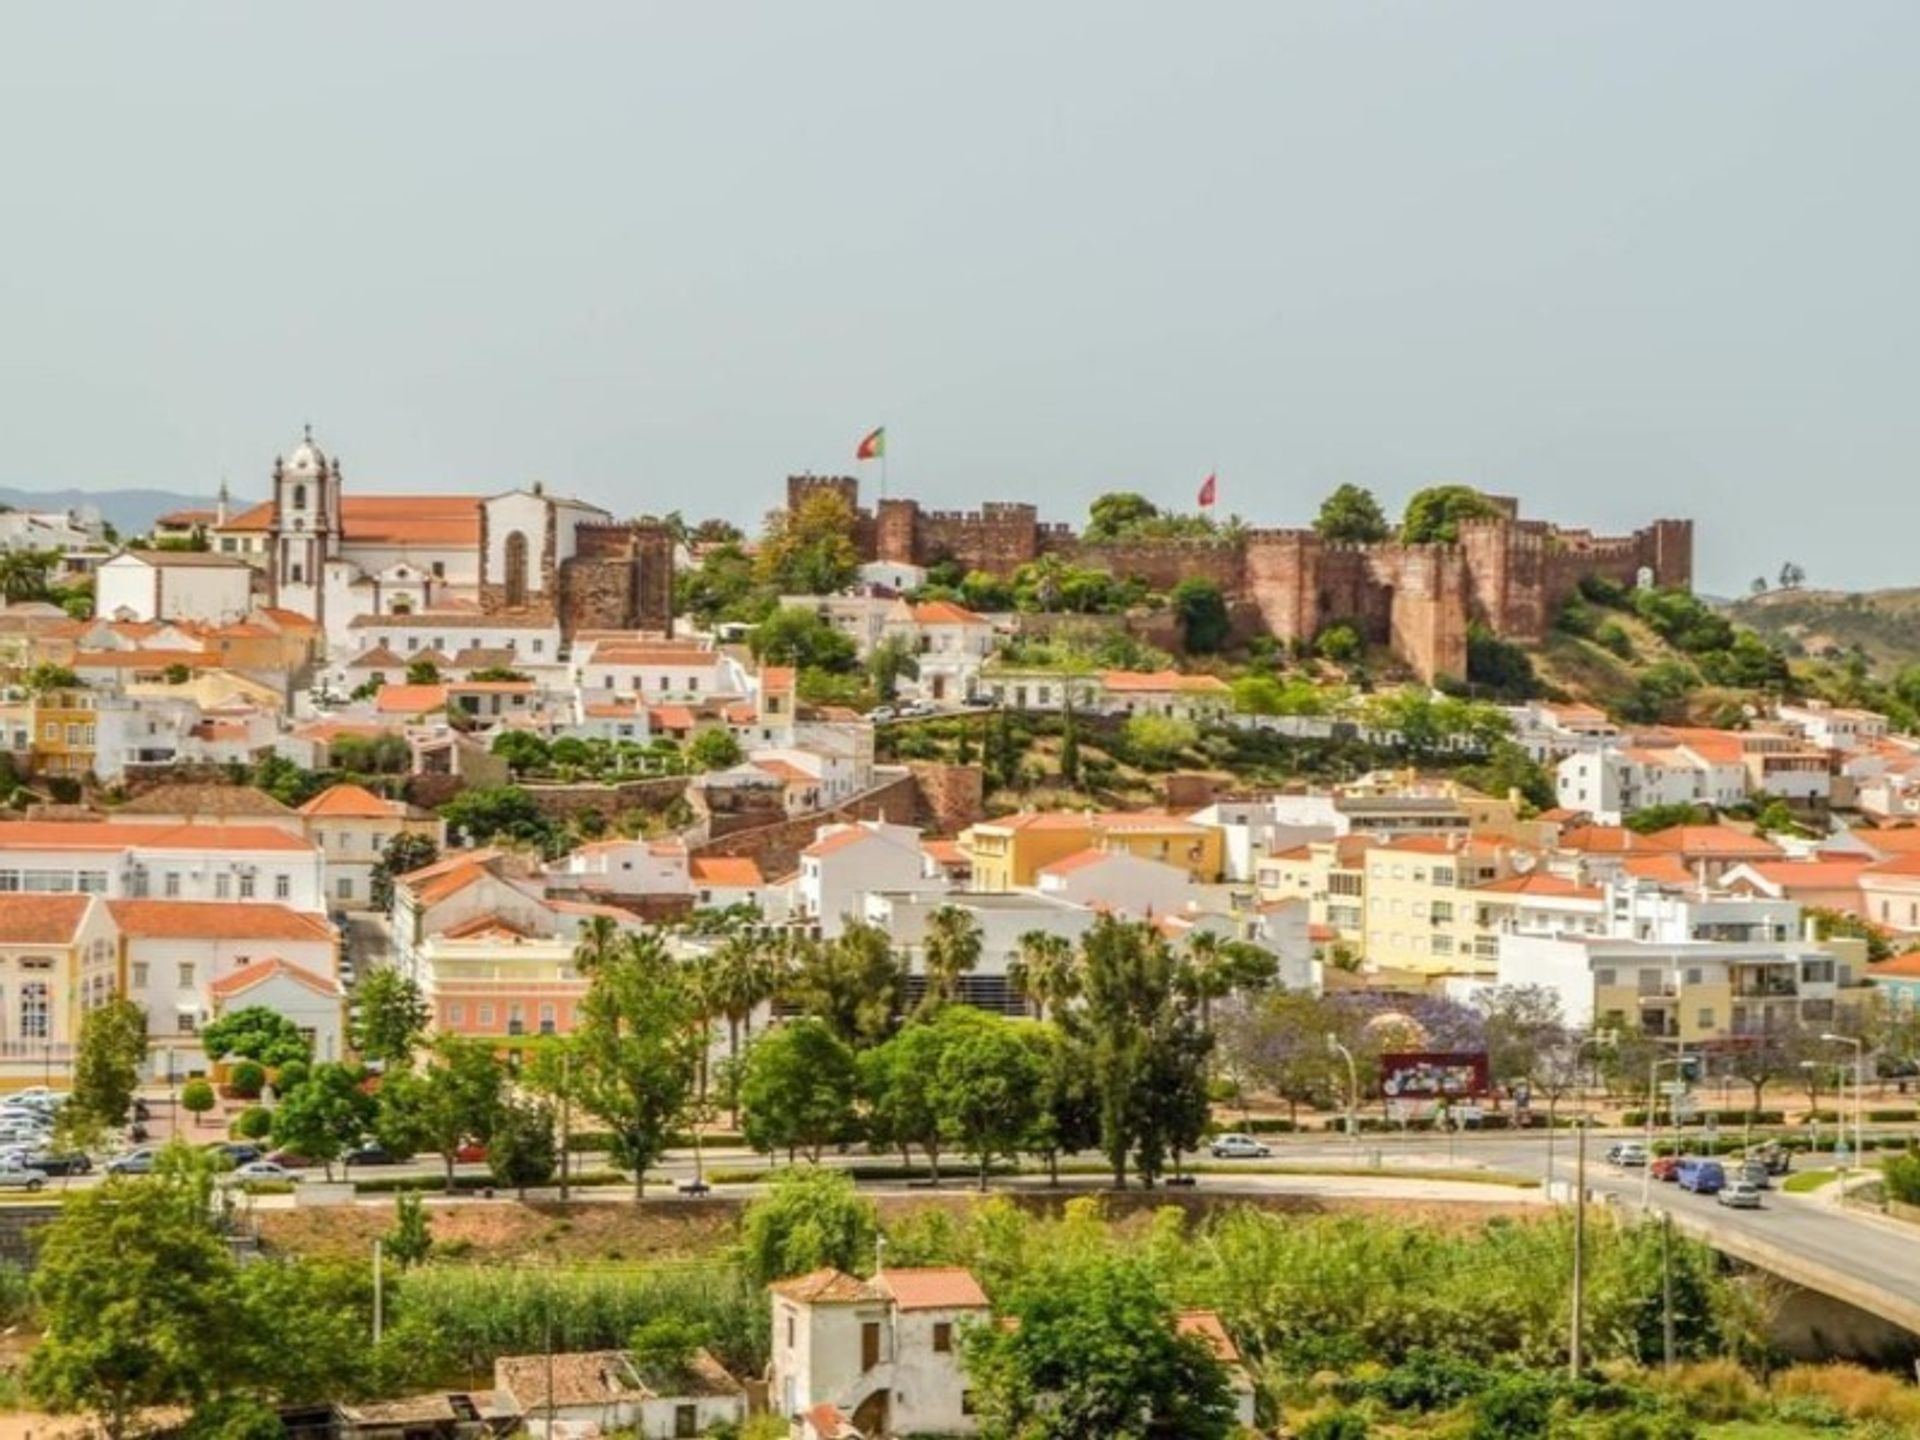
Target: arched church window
x,y
299,497
516,568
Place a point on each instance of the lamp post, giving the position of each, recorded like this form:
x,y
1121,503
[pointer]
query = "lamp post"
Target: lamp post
x,y
1574,1345
1859,1089
1353,1088
1653,1099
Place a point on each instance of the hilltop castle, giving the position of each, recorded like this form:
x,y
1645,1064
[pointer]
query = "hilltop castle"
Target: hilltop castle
x,y
1510,574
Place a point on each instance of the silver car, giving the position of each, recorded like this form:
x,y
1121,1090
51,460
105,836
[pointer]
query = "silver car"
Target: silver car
x,y
1238,1147
1739,1195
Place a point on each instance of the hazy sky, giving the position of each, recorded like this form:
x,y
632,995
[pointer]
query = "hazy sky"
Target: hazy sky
x,y
1618,259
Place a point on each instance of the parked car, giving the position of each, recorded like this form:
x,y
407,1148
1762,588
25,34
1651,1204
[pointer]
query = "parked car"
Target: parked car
x,y
134,1162
1629,1154
1755,1173
70,1162
291,1160
1739,1195
21,1177
236,1152
881,713
1777,1158
370,1154
263,1170
1703,1177
1238,1147
471,1153
1665,1167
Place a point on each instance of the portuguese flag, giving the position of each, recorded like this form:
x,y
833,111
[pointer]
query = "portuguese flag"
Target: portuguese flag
x,y
874,446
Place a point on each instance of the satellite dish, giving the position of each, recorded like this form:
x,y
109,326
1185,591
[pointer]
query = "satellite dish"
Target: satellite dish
x,y
1523,863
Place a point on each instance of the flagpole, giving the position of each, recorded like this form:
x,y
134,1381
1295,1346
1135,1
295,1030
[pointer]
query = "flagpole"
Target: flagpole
x,y
883,461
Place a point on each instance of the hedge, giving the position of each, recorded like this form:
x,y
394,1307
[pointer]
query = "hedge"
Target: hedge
x,y
1742,1118
397,1184
598,1142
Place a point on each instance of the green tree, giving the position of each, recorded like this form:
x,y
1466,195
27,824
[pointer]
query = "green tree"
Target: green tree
x,y
257,1033
809,550
795,635
1096,1350
853,983
47,676
106,1067
524,751
1115,515
324,1116
1144,1051
1201,609
522,1149
422,672
989,1086
636,1052
457,1097
1215,966
714,749
1340,643
402,855
890,662
1159,740
136,1298
798,1089
1069,1118
900,1082
1433,515
197,1098
1350,515
493,812
1045,970
1278,1042
809,1218
745,975
393,1016
410,1240
950,951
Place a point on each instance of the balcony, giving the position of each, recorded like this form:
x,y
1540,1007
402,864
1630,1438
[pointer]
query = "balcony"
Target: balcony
x,y
1764,985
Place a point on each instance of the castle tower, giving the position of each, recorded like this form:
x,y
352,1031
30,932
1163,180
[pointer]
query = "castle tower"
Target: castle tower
x,y
306,528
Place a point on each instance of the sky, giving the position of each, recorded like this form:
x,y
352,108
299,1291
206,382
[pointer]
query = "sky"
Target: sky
x,y
1619,260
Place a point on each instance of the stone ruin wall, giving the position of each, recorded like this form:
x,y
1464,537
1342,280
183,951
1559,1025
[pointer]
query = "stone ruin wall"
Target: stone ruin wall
x,y
1510,574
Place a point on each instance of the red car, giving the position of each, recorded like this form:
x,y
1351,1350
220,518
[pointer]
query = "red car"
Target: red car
x,y
290,1160
1665,1167
471,1153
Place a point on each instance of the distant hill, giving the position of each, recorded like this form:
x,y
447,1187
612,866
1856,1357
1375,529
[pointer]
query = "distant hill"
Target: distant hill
x,y
128,511
1883,624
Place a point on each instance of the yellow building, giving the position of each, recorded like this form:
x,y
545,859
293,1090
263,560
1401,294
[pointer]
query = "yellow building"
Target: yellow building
x,y
1331,876
1422,915
1009,853
351,827
63,732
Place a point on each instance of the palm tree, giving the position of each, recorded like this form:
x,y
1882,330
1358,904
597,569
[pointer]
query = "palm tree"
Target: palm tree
x,y
743,974
1046,971
600,942
951,949
1216,966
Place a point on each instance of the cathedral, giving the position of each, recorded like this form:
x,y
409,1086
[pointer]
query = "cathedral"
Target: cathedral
x,y
522,559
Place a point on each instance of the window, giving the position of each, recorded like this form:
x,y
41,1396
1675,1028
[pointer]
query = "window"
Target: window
x,y
139,974
296,574
439,569
539,646
186,974
516,1018
36,1013
486,1015
942,1337
456,1013
1705,1017
171,886
223,886
282,887
50,732
548,1018
246,887
1693,975
686,1420
73,736
299,497
1603,977
344,890
789,1332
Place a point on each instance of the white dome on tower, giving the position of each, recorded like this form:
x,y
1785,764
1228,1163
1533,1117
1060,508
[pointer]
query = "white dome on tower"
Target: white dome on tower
x,y
307,458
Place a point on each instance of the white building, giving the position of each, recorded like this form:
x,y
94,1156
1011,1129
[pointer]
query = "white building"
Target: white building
x,y
173,585
1834,727
1002,918
846,863
254,863
1119,881
606,1392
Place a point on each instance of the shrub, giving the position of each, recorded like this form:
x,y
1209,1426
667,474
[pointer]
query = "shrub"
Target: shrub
x,y
1854,1391
254,1123
247,1079
197,1098
1712,1390
1336,1425
1902,1176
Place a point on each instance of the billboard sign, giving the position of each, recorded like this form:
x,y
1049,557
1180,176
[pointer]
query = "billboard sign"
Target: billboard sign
x,y
1429,1075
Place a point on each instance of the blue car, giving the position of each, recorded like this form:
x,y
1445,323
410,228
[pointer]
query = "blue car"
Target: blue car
x,y
1703,1177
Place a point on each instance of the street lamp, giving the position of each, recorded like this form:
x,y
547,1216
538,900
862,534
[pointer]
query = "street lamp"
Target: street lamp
x,y
1653,1098
1859,1089
1574,1347
1334,1047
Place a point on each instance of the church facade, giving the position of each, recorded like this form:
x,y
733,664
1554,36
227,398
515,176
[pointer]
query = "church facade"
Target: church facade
x,y
521,561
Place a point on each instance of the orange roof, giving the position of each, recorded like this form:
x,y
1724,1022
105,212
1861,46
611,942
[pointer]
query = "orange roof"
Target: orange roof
x,y
1900,967
672,717
934,1287
1901,840
1039,820
1206,1324
254,517
453,860
735,871
488,924
945,612
110,835
654,654
825,1287
841,839
409,699
1542,883
1079,860
776,677
440,520
1162,681
441,884
142,659
248,976
1661,869
946,852
1603,840
783,769
35,919
1710,841
1900,866
1824,873
350,802
491,687
216,920
1148,820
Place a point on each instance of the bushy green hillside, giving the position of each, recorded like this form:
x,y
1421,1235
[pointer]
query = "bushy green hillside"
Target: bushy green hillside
x,y
1884,625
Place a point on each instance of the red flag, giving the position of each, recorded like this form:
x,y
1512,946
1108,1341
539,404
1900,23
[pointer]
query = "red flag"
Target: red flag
x,y
873,446
1209,488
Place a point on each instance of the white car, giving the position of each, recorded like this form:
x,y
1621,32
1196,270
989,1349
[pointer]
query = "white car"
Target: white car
x,y
1631,1155
1238,1147
1739,1195
263,1170
17,1176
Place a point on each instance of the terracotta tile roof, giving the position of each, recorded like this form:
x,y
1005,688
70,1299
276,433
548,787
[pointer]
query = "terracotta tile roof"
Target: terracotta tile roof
x,y
32,919
1603,840
1156,821
1661,869
826,1287
783,769
828,1423
1901,840
1206,1324
1899,866
350,802
1542,883
1900,967
1079,860
1711,841
490,924
234,982
678,656
216,920
409,699
143,659
437,887
672,717
491,687
376,655
204,800
595,1377
934,1287
1163,682
726,871
108,835
845,838
946,853
254,517
483,657
181,519
452,617
1828,872
776,677
945,612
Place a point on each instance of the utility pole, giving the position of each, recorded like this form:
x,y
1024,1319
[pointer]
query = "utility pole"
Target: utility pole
x,y
1666,1287
566,1117
1574,1356
378,1297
